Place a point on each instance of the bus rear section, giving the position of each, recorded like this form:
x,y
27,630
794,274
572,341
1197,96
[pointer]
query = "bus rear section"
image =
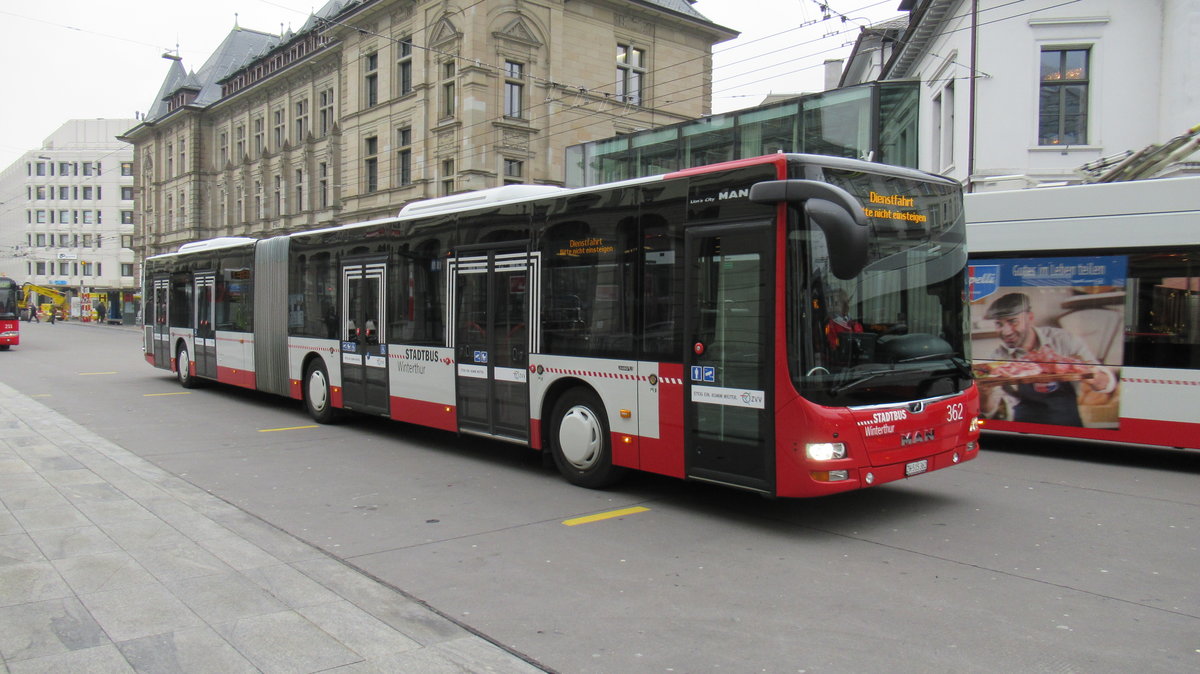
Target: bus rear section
x,y
10,323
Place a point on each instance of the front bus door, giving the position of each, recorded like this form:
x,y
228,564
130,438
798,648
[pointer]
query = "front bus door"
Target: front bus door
x,y
161,330
492,320
364,338
728,307
205,340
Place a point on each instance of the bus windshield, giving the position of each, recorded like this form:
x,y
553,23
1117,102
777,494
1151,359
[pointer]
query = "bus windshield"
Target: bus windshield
x,y
896,331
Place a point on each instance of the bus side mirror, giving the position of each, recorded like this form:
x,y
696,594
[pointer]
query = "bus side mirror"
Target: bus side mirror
x,y
839,215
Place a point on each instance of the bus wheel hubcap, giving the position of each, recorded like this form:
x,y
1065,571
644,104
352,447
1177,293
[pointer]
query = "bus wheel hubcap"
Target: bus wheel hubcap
x,y
579,437
317,390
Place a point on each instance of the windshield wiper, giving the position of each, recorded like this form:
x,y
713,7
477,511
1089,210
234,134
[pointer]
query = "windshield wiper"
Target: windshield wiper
x,y
861,380
960,364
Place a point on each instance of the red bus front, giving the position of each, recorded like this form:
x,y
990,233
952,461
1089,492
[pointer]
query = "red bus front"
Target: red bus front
x,y
10,326
874,383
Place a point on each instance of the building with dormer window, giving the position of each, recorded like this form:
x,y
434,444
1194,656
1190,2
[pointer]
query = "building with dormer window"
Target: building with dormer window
x,y
375,103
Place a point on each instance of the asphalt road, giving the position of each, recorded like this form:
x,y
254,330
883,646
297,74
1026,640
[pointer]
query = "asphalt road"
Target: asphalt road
x,y
1037,557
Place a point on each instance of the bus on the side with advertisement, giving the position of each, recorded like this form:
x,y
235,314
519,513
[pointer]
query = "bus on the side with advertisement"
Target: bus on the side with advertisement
x,y
1085,310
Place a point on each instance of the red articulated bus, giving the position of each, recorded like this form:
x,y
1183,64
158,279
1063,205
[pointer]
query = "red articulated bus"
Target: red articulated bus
x,y
10,318
793,325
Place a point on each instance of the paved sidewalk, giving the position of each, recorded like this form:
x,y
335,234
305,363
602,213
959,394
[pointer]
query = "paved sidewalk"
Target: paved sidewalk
x,y
109,564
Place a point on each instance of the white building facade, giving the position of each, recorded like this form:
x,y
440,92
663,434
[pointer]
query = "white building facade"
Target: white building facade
x,y
1020,94
66,220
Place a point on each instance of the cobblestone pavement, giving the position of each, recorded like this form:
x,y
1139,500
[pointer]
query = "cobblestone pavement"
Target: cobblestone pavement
x,y
110,564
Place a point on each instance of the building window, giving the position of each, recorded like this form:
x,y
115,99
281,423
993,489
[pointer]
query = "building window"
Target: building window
x,y
64,217
126,217
87,192
404,156
87,217
182,160
278,195
41,168
41,268
301,120
371,79
323,185
447,177
41,192
87,268
258,200
87,240
41,217
64,268
64,193
299,206
64,240
87,165
41,240
448,90
259,136
514,89
1063,97
64,168
127,268
404,66
325,120
126,168
127,193
170,165
240,143
943,128
371,164
279,132
127,241
631,72
223,150
514,172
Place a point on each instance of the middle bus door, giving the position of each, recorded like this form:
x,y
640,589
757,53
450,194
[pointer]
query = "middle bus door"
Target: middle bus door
x,y
364,338
205,340
728,412
491,323
161,329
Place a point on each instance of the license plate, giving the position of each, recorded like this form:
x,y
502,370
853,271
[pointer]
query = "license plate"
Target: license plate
x,y
916,467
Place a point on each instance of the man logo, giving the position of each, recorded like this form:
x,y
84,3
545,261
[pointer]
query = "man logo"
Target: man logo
x,y
916,437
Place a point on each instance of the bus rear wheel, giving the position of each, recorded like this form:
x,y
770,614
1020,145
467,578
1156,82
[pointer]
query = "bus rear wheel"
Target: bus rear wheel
x,y
318,398
183,368
580,441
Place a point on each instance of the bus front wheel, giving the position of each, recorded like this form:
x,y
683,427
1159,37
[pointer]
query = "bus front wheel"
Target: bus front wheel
x,y
317,393
580,441
183,368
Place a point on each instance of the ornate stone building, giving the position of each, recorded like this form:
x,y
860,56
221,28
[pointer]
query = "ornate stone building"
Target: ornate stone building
x,y
375,103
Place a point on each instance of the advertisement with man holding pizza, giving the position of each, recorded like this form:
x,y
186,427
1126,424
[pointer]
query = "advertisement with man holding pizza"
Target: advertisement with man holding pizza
x,y
1048,339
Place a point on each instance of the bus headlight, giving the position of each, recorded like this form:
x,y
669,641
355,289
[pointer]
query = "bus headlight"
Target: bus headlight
x,y
975,424
825,451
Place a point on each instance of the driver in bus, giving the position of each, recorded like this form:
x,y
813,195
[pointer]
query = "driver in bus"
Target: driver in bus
x,y
1054,402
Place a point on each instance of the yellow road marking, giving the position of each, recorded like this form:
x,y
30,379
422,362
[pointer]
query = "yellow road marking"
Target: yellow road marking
x,y
289,428
604,516
173,393
85,374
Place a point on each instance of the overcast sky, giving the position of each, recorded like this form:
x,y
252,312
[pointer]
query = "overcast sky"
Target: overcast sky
x,y
80,59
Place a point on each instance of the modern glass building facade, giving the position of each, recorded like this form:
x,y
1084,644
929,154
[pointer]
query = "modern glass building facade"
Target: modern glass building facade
x,y
875,121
